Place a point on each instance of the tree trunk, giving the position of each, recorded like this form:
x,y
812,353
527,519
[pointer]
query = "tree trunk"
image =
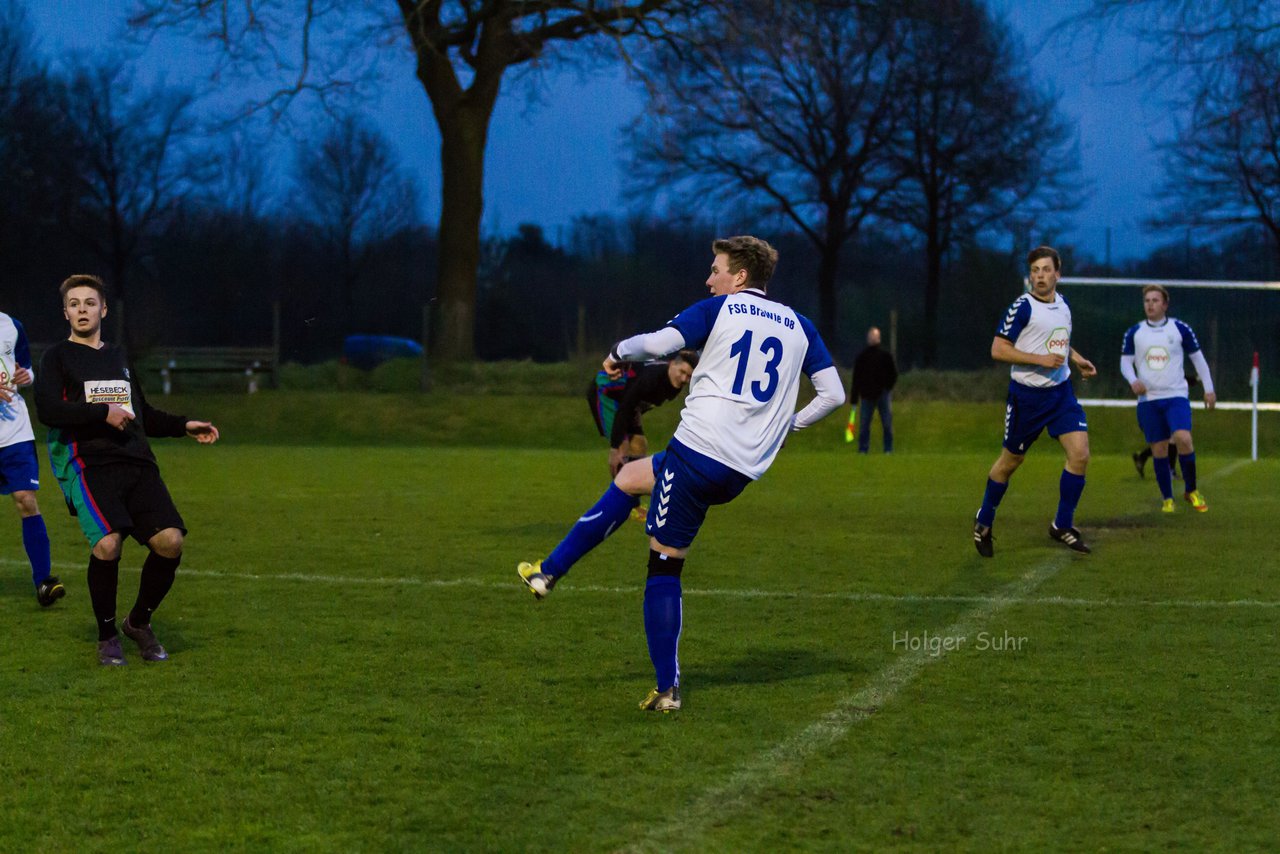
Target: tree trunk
x,y
463,134
932,290
828,266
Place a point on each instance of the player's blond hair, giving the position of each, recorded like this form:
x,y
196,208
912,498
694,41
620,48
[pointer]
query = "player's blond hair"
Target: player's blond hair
x,y
749,253
1160,289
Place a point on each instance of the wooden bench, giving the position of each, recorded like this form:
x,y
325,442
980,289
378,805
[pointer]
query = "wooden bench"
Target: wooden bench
x,y
252,362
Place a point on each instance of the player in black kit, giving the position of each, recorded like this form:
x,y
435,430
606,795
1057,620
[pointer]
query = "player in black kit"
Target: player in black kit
x,y
99,420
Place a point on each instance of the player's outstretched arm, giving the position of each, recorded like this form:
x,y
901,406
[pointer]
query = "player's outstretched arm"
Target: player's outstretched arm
x,y
649,345
203,432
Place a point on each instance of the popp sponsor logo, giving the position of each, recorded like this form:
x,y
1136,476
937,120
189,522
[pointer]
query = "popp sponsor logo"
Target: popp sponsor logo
x,y
1157,358
1059,342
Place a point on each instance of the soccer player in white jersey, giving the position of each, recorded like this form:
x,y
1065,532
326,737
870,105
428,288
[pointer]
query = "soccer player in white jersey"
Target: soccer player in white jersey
x,y
739,408
19,468
1151,359
1034,339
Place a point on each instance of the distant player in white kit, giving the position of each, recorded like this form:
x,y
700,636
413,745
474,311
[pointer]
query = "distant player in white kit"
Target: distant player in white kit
x,y
740,406
1151,359
1034,339
19,467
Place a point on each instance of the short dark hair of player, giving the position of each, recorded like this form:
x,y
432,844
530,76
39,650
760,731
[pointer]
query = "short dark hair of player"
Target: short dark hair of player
x,y
749,253
689,357
1044,252
1160,289
84,280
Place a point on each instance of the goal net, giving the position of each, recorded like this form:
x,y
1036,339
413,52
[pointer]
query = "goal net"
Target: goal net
x,y
1236,322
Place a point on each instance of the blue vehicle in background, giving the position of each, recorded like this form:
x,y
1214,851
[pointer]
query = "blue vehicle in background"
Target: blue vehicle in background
x,y
369,351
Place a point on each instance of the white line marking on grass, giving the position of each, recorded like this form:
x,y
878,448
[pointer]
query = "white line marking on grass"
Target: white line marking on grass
x,y
709,592
746,783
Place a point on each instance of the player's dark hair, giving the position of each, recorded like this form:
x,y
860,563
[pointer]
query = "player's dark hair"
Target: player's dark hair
x,y
689,357
749,253
1044,252
1160,289
84,280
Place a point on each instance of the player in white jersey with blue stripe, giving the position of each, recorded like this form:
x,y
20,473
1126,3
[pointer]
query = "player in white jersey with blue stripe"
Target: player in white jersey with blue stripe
x,y
19,468
1151,359
1034,339
739,408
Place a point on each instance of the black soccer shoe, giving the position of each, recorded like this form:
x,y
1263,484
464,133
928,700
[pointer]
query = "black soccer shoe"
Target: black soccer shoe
x,y
1140,463
1069,537
50,591
982,539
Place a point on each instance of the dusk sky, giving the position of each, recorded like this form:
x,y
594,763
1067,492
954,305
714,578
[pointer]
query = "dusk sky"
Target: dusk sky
x,y
560,157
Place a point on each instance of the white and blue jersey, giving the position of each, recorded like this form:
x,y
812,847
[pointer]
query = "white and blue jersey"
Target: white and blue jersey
x,y
15,422
1154,352
1037,327
742,395
19,468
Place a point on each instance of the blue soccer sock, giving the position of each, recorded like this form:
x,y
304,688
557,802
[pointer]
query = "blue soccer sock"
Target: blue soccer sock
x,y
990,501
662,613
1070,486
591,530
35,537
1164,476
1188,471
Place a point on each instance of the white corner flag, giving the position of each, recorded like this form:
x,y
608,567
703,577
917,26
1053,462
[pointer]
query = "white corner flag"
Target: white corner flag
x,y
1253,383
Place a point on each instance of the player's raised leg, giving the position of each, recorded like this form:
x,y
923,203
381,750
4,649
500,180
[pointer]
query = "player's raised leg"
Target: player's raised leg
x,y
593,527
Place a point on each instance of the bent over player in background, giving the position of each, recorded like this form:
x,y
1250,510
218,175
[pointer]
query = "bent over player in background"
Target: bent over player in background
x,y
1034,339
19,467
740,405
619,402
99,420
1151,359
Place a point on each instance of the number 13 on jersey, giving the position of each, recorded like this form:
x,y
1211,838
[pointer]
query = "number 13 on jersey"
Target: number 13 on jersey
x,y
771,348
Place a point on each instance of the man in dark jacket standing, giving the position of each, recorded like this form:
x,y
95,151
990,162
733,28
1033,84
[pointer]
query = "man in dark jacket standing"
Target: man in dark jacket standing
x,y
874,375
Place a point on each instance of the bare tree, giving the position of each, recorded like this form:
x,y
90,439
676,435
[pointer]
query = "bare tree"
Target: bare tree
x,y
1223,166
35,183
463,50
355,194
1188,36
778,109
132,175
977,141
1219,60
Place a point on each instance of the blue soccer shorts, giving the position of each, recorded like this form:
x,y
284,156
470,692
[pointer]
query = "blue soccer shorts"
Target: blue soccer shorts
x,y
1029,411
686,483
19,468
1159,419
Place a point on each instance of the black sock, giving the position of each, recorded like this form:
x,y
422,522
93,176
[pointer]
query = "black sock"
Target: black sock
x,y
158,573
104,575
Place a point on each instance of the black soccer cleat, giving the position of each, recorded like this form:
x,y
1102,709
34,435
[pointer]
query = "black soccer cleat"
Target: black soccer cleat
x,y
1069,537
1140,463
50,591
982,539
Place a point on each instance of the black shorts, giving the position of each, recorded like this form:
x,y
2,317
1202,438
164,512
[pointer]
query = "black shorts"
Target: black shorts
x,y
122,498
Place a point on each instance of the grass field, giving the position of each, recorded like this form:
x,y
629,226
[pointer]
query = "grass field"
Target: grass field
x,y
355,665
